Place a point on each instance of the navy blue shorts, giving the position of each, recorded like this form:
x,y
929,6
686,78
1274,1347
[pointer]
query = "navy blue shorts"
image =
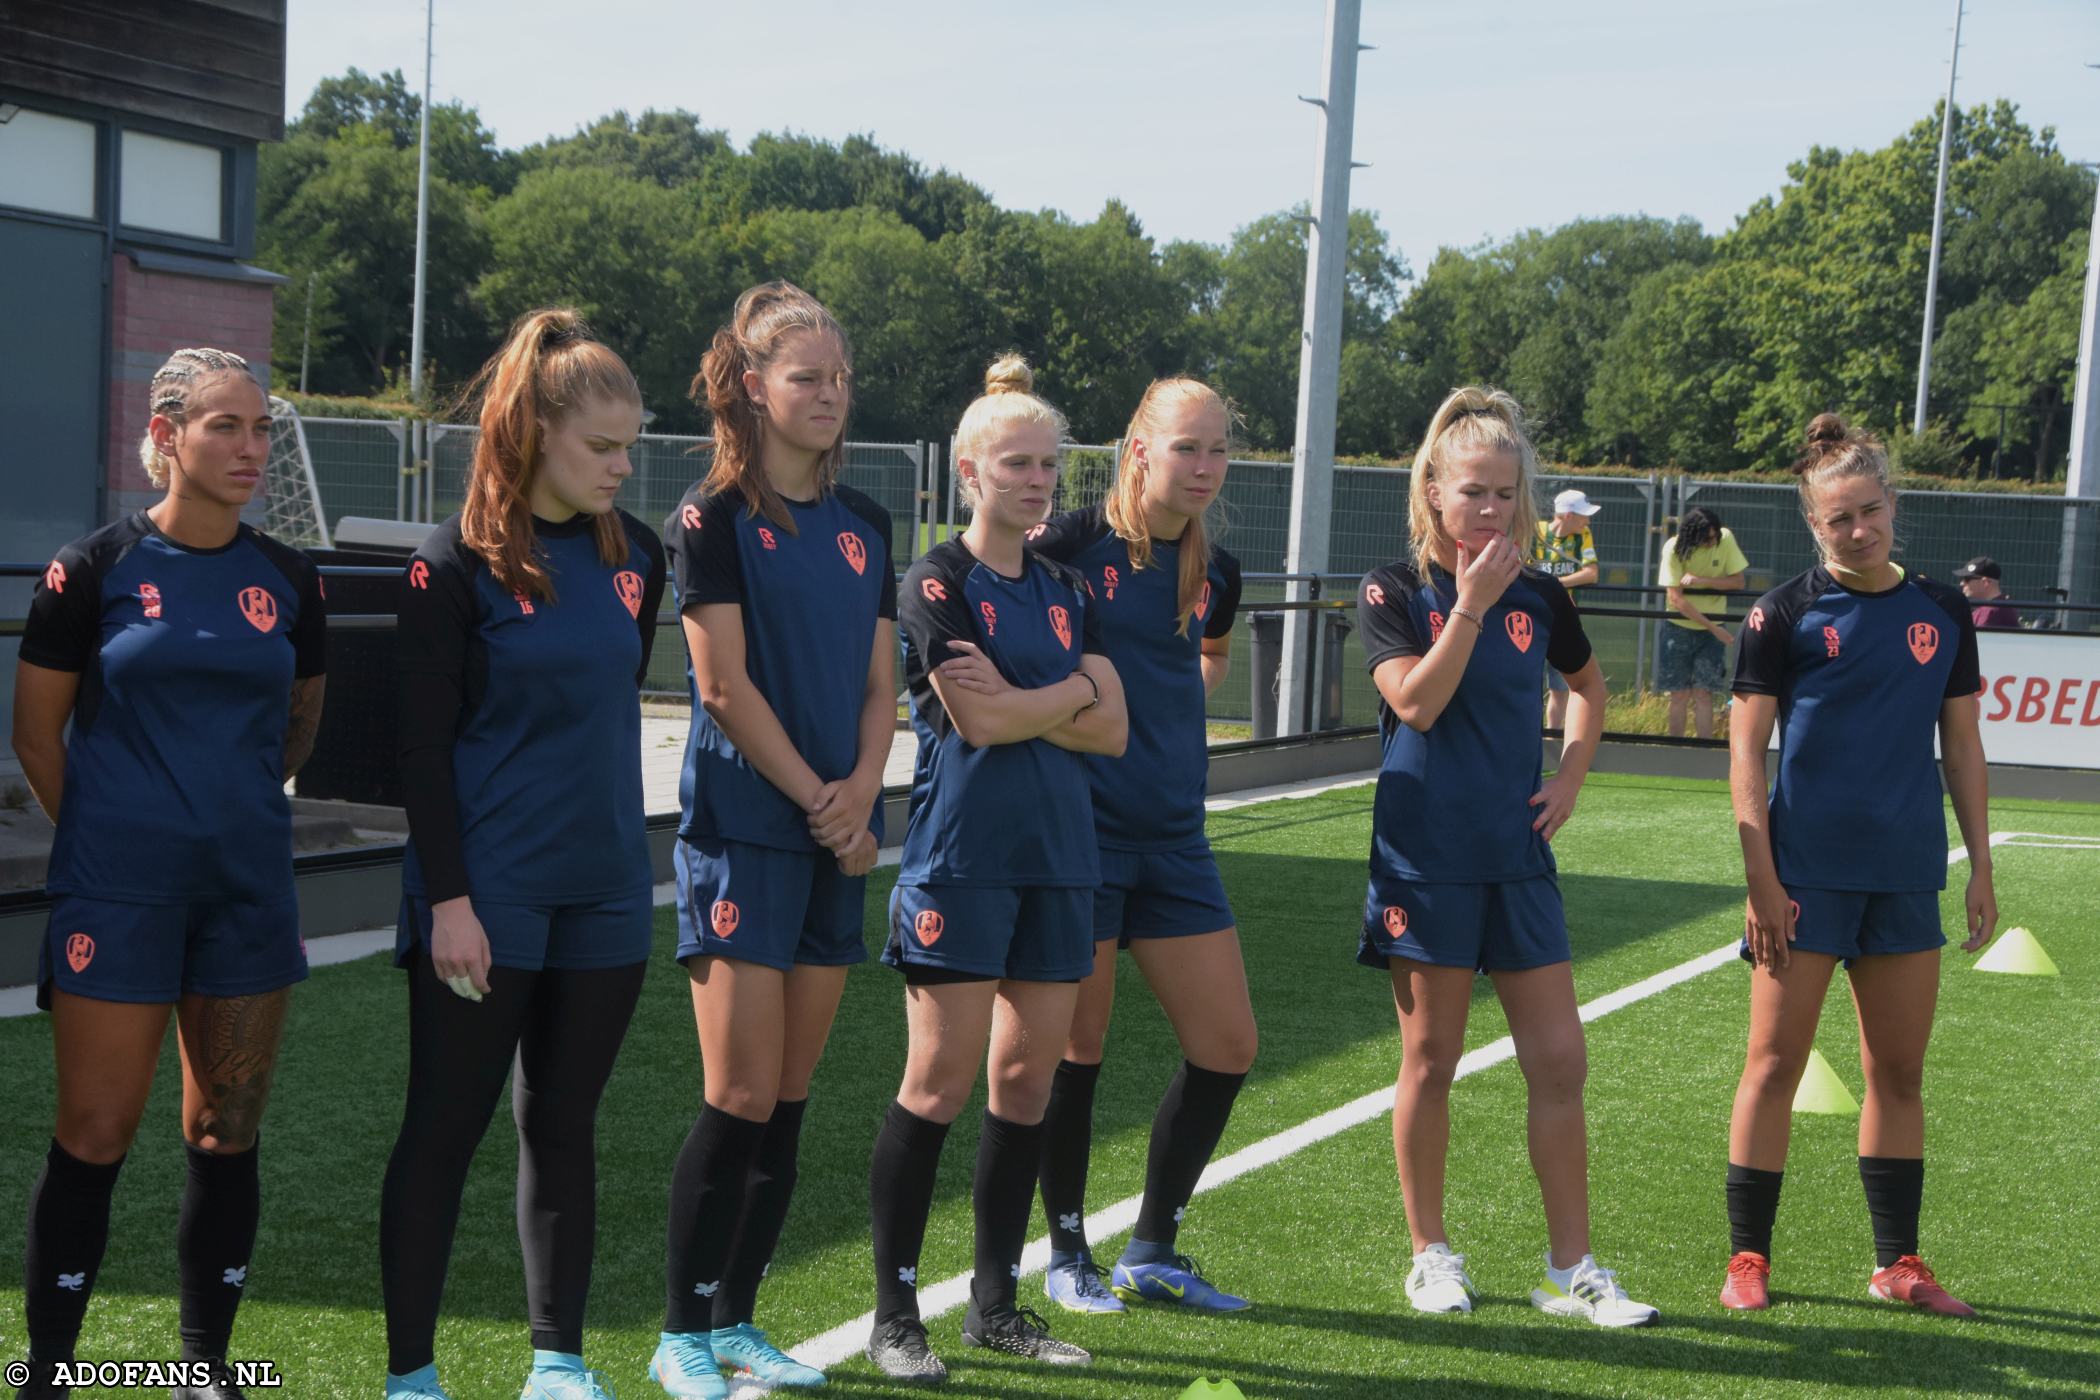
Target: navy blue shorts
x,y
1852,924
1159,894
762,905
534,937
159,953
1033,933
1507,926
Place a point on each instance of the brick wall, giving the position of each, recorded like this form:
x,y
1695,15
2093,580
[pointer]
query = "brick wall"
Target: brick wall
x,y
151,315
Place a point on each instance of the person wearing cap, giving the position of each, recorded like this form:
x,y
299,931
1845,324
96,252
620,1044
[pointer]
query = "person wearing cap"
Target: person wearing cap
x,y
1980,581
1565,549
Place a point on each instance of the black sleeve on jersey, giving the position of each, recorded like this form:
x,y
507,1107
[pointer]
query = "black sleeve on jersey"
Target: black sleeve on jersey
x,y
701,537
1766,639
1063,535
1967,676
1383,616
931,612
64,628
1568,649
1224,609
310,633
864,506
435,630
653,573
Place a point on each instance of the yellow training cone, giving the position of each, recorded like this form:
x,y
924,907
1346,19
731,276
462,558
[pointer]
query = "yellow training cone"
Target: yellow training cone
x,y
2017,951
1822,1091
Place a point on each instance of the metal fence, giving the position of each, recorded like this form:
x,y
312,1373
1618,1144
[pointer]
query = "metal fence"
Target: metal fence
x,y
2049,547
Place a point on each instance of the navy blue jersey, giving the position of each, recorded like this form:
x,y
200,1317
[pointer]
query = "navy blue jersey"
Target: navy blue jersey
x,y
1454,803
1150,799
545,732
1010,814
809,600
174,784
1860,679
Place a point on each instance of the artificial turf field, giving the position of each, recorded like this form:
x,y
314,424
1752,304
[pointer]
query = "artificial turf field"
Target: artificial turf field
x,y
1651,879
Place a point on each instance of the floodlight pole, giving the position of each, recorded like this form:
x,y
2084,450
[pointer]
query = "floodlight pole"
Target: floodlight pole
x,y
2084,476
1939,217
1319,368
415,335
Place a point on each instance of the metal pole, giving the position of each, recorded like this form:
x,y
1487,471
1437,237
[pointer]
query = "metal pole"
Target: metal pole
x,y
2083,478
1319,365
1939,215
306,338
415,335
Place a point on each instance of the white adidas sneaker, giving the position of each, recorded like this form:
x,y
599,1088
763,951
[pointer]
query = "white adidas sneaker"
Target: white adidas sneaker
x,y
1438,1282
1592,1293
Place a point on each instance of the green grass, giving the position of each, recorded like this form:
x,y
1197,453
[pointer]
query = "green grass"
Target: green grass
x,y
1651,879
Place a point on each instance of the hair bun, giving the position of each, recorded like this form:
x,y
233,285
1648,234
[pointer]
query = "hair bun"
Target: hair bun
x,y
1827,429
1009,374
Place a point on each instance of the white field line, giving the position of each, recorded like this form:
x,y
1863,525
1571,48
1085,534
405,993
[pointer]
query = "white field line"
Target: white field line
x,y
828,1349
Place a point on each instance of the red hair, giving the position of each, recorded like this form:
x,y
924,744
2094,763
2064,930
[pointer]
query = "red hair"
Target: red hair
x,y
548,367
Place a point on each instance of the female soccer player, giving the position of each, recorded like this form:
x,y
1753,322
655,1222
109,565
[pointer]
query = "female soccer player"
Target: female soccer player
x,y
790,608
187,650
526,625
1166,598
1462,878
991,921
1862,665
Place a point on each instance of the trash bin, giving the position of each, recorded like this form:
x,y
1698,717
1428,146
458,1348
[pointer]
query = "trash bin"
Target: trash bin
x,y
353,758
1265,668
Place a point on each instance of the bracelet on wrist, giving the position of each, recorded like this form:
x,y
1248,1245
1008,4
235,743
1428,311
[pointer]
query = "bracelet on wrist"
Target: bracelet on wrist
x,y
1470,616
1090,685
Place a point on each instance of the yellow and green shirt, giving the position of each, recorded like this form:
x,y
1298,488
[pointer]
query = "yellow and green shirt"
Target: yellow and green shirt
x,y
1708,561
1561,555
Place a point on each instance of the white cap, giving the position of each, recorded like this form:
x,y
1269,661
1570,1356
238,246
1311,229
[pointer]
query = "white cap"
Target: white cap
x,y
1574,503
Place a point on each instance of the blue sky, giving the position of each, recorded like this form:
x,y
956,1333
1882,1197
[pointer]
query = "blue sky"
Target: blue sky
x,y
1478,118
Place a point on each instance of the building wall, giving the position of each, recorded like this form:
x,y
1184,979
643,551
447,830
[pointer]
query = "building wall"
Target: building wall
x,y
151,315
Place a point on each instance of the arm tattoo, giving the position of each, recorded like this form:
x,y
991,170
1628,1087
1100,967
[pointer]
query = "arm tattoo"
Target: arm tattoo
x,y
305,720
234,1054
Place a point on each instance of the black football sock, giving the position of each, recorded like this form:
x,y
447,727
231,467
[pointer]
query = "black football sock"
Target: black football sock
x,y
1185,1132
1008,1157
221,1203
707,1195
68,1231
900,1197
1753,1204
1068,1140
768,1191
1895,1190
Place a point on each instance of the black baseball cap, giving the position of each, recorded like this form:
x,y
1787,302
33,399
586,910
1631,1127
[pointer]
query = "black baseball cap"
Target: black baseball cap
x,y
1982,566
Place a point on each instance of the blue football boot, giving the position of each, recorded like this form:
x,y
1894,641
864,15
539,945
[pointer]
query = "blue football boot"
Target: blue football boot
x,y
1078,1284
1177,1281
685,1366
745,1350
416,1385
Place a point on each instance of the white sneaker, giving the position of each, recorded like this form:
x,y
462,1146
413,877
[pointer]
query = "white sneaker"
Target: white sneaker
x,y
1438,1282
1591,1292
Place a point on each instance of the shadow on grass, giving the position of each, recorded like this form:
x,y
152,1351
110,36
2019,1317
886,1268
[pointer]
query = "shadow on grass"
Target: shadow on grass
x,y
339,1089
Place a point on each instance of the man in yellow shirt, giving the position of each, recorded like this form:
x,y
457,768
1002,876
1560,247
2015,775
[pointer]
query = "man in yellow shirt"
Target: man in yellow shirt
x,y
1565,549
1700,564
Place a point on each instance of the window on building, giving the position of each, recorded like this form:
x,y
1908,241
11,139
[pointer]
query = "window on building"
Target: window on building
x,y
172,187
47,163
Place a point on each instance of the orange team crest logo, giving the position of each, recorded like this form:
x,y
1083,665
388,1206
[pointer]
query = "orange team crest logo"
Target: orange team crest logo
x,y
628,584
1035,531
419,575
689,516
1436,624
1830,641
725,917
991,619
1924,641
1061,624
1518,625
928,926
524,603
1757,619
856,553
149,598
259,608
80,951
1109,579
933,591
321,587
55,577
1374,594
1395,921
1203,606
765,537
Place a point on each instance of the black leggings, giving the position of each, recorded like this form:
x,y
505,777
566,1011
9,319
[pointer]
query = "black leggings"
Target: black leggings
x,y
563,1029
